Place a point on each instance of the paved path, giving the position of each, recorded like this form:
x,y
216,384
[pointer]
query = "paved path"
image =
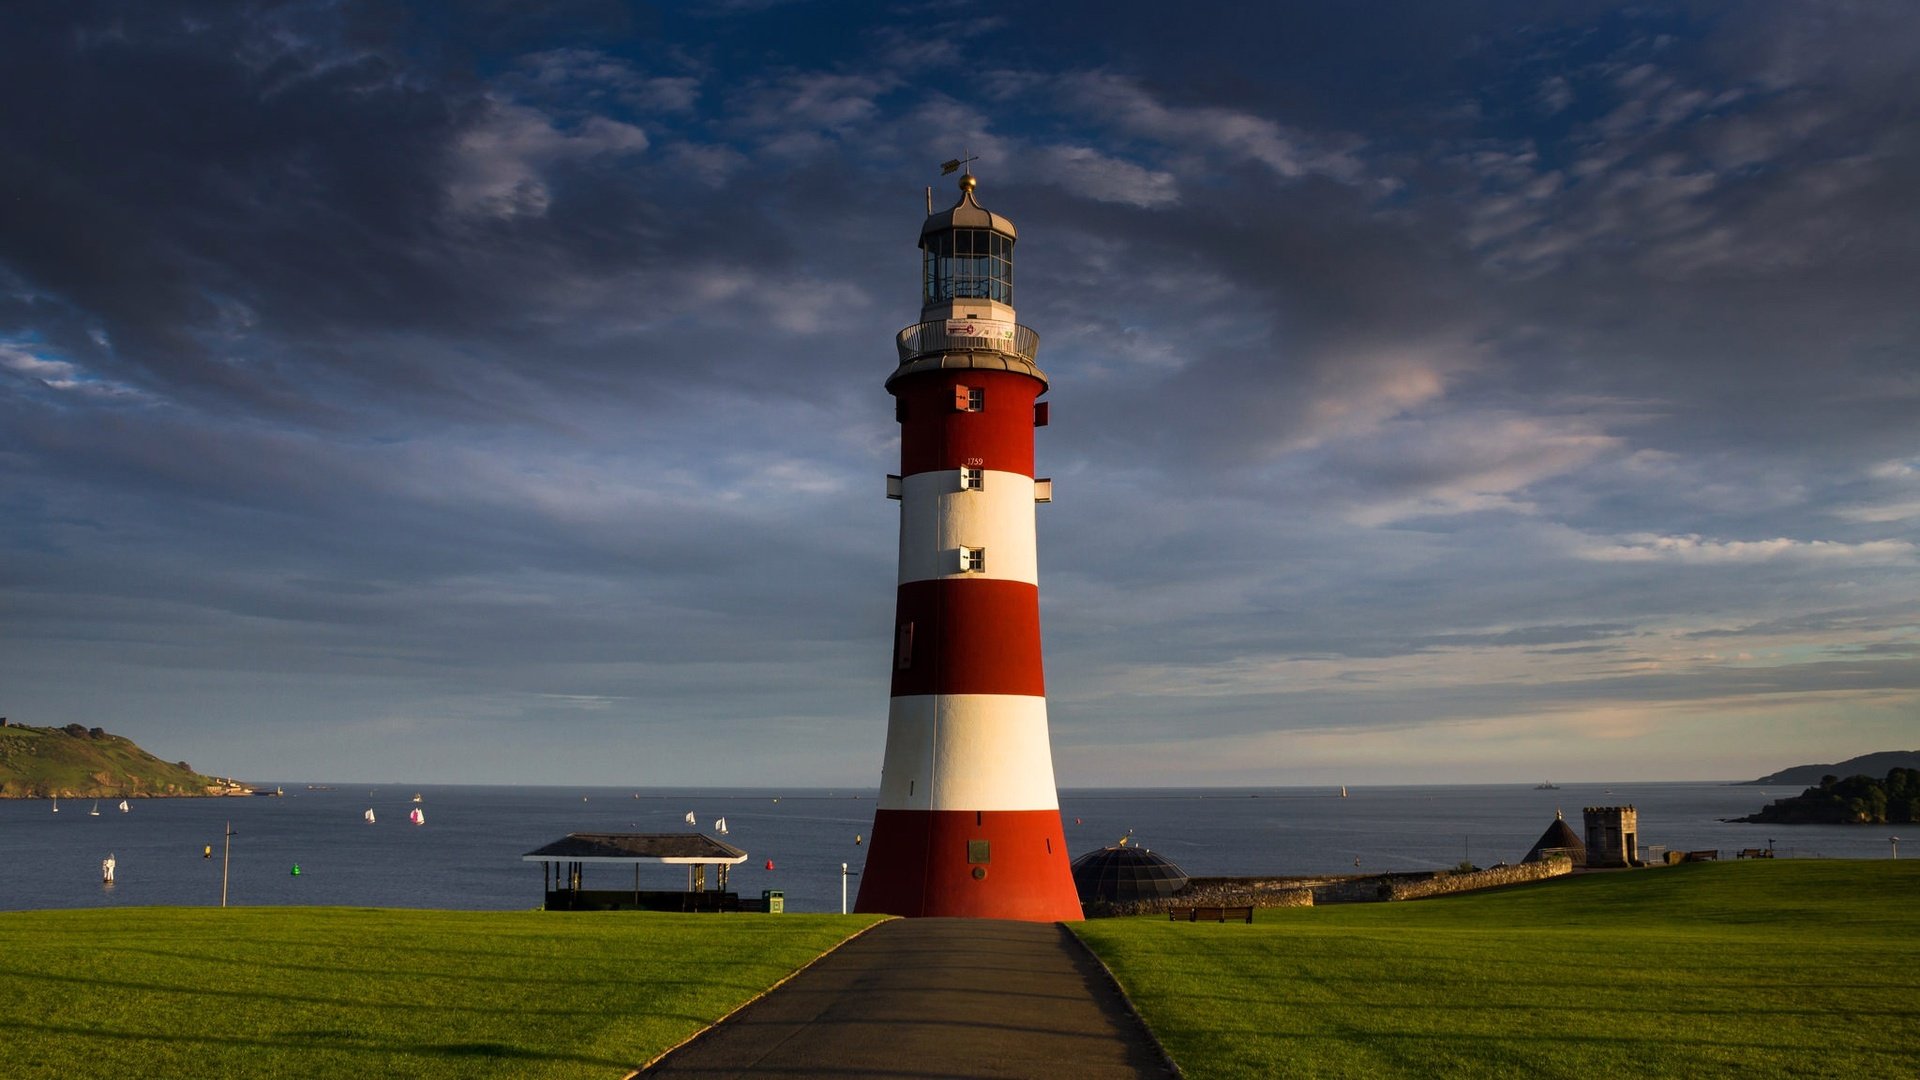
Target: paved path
x,y
934,998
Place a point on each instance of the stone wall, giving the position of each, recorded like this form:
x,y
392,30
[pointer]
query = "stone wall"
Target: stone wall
x,y
1217,892
1306,892
1493,877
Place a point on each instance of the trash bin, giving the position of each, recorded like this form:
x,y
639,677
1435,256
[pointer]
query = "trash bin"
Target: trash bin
x,y
776,901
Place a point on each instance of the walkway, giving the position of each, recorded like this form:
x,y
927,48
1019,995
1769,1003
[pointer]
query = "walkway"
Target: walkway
x,y
934,998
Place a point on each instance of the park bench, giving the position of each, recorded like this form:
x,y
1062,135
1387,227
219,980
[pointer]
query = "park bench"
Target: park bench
x,y
1210,914
1756,853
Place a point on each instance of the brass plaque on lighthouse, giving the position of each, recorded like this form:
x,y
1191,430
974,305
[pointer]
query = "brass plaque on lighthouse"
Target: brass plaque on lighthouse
x,y
979,851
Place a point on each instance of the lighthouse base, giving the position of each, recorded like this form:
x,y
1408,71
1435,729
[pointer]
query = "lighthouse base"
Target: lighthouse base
x,y
983,864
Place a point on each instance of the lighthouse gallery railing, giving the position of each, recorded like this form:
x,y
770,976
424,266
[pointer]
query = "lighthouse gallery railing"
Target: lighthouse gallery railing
x,y
928,338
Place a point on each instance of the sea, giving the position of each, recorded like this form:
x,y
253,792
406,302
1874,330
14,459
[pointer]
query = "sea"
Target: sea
x,y
313,846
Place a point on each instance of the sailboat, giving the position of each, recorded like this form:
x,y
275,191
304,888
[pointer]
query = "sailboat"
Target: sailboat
x,y
369,815
56,804
689,817
720,826
1343,791
416,816
124,808
95,812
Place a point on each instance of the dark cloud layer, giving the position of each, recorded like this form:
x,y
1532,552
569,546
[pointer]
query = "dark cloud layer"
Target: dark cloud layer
x,y
1441,391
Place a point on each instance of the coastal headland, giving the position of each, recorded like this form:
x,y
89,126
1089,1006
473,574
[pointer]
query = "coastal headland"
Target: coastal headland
x,y
79,762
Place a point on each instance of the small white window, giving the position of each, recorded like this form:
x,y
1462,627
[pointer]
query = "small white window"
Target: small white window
x,y
973,479
976,398
973,560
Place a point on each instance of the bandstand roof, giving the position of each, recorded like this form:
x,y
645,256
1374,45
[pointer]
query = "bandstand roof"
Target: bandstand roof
x,y
682,848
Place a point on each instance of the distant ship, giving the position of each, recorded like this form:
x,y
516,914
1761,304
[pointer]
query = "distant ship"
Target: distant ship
x,y
1343,791
417,817
1546,785
124,808
369,815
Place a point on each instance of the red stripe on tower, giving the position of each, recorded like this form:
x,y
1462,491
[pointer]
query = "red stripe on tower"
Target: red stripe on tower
x,y
968,820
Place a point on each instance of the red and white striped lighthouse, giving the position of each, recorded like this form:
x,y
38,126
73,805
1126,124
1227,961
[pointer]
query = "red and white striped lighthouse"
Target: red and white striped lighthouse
x,y
968,821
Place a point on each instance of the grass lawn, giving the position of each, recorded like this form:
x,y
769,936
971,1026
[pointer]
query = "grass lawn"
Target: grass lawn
x,y
1788,968
326,992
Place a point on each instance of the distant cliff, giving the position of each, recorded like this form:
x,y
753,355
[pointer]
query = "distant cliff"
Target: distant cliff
x,y
76,762
1864,765
1856,800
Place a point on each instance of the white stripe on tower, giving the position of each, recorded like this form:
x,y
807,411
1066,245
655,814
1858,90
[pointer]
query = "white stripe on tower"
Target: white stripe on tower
x,y
968,752
937,518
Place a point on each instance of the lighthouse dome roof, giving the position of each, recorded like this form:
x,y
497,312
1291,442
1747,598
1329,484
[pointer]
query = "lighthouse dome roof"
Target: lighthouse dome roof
x,y
967,214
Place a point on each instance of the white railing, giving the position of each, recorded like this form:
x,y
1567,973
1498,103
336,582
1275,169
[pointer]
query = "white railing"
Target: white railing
x,y
929,338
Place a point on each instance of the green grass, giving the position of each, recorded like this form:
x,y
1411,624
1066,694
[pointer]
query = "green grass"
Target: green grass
x,y
1782,968
333,992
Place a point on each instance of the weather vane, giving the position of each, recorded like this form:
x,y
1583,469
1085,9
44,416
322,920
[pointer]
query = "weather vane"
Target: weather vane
x,y
948,168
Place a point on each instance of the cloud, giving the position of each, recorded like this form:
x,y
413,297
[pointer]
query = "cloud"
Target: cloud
x,y
64,375
1087,172
501,160
1692,549
1127,107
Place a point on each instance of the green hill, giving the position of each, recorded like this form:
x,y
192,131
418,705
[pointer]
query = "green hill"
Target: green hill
x,y
1875,764
77,762
1857,800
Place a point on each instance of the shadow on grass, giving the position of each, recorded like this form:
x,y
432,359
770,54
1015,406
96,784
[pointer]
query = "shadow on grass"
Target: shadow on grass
x,y
344,1045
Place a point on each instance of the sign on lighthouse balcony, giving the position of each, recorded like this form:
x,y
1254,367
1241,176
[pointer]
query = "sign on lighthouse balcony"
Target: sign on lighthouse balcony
x,y
968,821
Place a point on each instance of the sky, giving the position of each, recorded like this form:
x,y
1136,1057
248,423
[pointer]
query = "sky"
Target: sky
x,y
493,393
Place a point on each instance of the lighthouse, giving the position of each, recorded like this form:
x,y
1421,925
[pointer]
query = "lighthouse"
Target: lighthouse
x,y
968,820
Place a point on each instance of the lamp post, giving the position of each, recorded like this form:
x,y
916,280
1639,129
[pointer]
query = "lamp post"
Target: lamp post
x,y
226,854
843,888
1895,842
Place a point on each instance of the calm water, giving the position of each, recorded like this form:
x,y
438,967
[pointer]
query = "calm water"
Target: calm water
x,y
467,854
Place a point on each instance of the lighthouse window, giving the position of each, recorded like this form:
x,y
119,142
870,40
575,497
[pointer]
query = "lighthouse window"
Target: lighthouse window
x,y
973,479
967,264
973,560
969,398
903,648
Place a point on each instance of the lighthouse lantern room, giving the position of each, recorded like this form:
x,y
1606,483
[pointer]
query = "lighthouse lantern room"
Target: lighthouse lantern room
x,y
968,820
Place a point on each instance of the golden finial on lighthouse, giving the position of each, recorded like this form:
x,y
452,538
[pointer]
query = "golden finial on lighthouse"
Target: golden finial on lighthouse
x,y
967,181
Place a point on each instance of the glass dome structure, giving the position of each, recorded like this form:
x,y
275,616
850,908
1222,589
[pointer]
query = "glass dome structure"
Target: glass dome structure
x,y
1120,874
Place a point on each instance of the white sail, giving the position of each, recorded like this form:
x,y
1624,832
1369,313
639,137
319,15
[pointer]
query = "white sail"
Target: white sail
x,y
369,815
417,817
689,817
124,807
95,812
720,826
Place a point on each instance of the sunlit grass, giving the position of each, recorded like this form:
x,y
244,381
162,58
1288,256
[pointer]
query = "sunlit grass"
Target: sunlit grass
x,y
1785,968
330,992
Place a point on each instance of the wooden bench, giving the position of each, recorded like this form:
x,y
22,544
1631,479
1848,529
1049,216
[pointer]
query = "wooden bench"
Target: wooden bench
x,y
1756,853
1210,914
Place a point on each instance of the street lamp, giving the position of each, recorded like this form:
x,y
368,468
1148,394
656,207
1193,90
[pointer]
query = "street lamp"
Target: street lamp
x,y
226,854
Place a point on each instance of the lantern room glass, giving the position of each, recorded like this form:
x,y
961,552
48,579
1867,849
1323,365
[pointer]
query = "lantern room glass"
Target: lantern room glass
x,y
967,264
